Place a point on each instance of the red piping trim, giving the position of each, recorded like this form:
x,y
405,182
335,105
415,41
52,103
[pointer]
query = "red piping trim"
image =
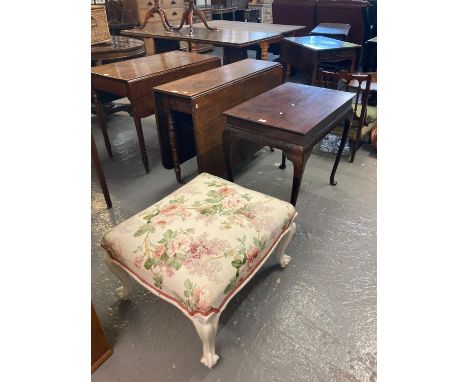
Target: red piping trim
x,y
213,309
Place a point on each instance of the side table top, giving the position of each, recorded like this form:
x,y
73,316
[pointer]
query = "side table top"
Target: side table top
x,y
198,84
255,27
149,65
224,37
320,43
332,29
292,107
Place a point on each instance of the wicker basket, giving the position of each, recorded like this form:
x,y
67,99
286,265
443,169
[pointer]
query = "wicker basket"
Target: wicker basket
x,y
99,28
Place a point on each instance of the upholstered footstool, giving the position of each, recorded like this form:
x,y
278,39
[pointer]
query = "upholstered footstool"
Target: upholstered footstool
x,y
199,246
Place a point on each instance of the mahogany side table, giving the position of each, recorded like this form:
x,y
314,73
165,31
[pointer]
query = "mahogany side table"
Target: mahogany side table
x,y
135,80
291,117
311,51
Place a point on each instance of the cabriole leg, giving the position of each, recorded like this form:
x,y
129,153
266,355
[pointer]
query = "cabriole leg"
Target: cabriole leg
x,y
125,291
284,259
207,329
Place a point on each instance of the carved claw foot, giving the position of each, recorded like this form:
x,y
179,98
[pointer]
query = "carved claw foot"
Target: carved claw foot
x,y
123,293
285,260
210,359
206,329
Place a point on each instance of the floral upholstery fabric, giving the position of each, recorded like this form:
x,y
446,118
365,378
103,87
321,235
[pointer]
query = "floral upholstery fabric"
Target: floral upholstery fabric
x,y
200,243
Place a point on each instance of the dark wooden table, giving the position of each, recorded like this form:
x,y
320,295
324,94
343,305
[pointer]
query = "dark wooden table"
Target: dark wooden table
x,y
333,30
135,80
292,117
234,36
190,117
311,51
120,48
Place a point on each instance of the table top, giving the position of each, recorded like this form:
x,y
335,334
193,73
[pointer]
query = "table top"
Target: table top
x,y
332,28
292,107
321,43
198,84
149,65
255,27
118,44
229,33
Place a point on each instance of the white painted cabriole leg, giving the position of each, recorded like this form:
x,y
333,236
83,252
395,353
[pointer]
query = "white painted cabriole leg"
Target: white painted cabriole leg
x,y
283,259
124,292
207,329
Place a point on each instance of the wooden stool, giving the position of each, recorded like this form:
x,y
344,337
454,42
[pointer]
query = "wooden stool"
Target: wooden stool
x,y
293,118
198,102
135,80
198,247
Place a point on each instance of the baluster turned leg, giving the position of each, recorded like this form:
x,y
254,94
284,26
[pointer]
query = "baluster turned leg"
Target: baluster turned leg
x,y
264,50
227,153
173,144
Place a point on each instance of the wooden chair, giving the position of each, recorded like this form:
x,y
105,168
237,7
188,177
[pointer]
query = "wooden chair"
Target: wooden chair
x,y
362,84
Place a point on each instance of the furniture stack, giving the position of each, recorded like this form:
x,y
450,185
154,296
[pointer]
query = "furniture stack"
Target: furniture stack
x,y
314,12
174,10
266,10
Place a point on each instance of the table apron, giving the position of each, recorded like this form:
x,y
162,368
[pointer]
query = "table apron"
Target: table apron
x,y
283,139
109,85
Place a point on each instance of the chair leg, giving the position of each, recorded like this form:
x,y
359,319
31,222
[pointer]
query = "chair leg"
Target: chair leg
x,y
283,161
344,137
356,142
206,330
353,151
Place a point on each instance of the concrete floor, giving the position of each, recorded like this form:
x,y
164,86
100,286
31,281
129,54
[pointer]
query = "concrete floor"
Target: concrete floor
x,y
313,321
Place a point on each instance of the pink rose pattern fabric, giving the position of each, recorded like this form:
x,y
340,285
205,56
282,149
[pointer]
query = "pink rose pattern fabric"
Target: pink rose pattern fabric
x,y
201,242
